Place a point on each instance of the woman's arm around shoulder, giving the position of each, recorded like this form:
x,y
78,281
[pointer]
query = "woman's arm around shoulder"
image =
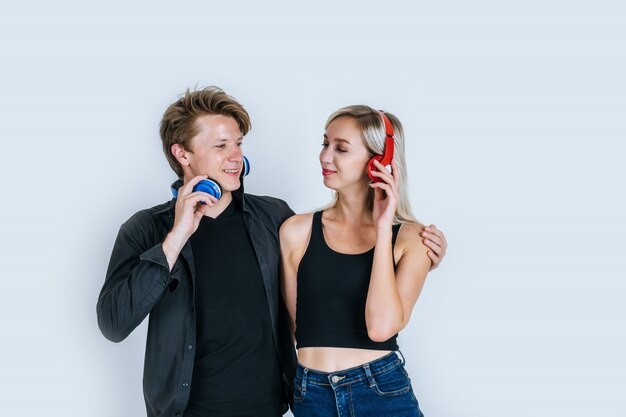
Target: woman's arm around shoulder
x,y
294,238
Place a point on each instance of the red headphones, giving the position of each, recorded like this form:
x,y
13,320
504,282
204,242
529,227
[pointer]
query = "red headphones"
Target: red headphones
x,y
387,155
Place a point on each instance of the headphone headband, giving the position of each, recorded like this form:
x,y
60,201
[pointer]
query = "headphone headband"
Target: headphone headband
x,y
388,126
387,155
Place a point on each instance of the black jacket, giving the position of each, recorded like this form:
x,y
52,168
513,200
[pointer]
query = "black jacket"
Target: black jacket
x,y
138,282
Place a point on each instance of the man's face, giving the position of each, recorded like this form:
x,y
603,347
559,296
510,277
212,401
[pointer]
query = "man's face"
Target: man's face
x,y
216,151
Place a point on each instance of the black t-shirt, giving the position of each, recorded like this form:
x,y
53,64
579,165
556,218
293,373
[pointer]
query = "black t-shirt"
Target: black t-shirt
x,y
236,371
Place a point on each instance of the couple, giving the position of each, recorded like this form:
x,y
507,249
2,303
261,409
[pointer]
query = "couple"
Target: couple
x,y
209,269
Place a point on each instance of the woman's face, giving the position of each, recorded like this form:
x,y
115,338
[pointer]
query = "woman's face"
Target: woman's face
x,y
344,156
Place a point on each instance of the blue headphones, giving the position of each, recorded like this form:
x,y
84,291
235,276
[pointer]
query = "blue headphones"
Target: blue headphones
x,y
212,187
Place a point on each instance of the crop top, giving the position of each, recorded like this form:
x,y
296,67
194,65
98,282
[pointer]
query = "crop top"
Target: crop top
x,y
331,294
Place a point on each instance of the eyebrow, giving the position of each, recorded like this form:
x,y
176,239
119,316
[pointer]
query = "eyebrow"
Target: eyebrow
x,y
346,141
240,138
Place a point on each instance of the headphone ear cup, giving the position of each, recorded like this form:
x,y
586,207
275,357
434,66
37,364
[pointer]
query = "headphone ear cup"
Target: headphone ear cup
x,y
210,187
246,167
371,167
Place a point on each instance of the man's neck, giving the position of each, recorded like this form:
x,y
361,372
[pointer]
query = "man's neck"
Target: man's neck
x,y
220,206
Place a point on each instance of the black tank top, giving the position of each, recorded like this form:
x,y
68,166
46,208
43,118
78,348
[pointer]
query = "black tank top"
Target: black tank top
x,y
331,295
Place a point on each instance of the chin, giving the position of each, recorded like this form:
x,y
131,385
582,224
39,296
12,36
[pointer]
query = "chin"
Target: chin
x,y
328,183
229,185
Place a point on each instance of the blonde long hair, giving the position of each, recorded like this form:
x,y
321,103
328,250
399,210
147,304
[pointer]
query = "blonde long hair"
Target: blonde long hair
x,y
372,127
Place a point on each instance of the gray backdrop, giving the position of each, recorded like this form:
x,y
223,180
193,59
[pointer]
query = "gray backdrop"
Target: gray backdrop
x,y
514,118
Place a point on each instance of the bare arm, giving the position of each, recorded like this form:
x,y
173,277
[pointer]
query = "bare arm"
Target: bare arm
x,y
294,237
392,294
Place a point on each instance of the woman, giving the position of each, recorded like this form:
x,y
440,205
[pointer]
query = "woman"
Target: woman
x,y
352,273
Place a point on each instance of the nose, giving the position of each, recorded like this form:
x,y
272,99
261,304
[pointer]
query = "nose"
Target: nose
x,y
236,154
326,156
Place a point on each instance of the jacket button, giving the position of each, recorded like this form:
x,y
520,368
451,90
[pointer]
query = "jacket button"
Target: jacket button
x,y
189,347
185,384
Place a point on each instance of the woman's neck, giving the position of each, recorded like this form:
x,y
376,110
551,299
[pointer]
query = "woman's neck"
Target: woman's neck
x,y
352,208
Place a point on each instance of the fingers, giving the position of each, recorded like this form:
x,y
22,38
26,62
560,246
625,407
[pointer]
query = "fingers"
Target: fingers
x,y
436,243
435,240
200,197
385,175
437,235
435,260
190,203
378,193
434,247
188,187
389,190
200,211
388,183
394,169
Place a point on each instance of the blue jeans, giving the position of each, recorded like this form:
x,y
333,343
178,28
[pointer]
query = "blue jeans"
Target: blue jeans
x,y
375,389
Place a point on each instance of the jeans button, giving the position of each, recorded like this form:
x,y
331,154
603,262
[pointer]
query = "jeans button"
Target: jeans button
x,y
335,379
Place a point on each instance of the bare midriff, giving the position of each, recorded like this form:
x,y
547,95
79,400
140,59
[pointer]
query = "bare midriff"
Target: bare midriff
x,y
332,359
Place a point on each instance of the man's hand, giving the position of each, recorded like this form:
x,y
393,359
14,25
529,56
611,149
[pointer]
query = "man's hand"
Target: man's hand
x,y
436,242
189,212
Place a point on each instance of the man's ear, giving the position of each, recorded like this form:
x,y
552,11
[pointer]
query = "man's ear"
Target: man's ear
x,y
180,154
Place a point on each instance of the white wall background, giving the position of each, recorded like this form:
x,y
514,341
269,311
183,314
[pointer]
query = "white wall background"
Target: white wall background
x,y
515,117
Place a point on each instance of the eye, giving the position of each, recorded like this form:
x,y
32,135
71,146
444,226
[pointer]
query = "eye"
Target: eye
x,y
342,150
324,145
222,146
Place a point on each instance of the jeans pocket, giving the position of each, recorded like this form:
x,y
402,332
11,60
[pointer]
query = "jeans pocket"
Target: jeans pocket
x,y
298,392
392,383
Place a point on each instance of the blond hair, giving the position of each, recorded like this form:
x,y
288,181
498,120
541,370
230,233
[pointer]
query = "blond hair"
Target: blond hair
x,y
372,129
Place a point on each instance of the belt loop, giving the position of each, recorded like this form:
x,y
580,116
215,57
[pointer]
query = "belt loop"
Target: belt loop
x,y
368,374
401,356
304,376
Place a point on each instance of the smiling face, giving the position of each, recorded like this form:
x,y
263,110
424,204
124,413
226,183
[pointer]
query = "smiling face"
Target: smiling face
x,y
344,156
215,150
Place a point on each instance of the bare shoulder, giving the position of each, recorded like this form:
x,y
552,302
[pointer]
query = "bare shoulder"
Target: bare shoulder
x,y
297,224
410,239
296,229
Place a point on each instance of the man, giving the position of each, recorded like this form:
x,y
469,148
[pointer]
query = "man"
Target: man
x,y
206,270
